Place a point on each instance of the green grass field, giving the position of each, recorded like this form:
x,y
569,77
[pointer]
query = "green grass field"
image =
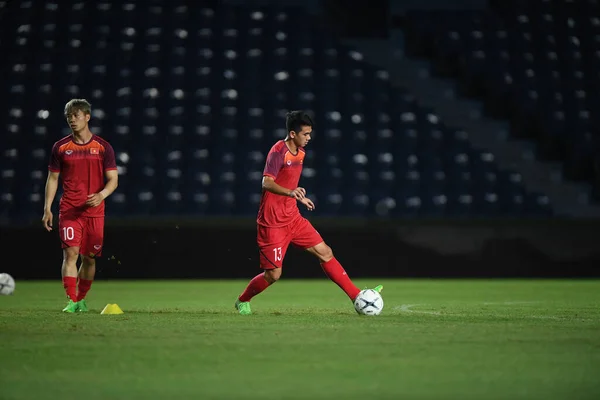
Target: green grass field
x,y
436,339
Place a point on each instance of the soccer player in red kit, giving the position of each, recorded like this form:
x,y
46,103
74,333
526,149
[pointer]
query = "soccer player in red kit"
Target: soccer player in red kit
x,y
279,220
88,169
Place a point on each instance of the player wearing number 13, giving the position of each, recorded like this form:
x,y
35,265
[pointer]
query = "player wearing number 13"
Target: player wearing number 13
x,y
83,160
279,220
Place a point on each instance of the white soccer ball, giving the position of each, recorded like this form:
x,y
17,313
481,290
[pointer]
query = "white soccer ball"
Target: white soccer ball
x,y
7,284
368,302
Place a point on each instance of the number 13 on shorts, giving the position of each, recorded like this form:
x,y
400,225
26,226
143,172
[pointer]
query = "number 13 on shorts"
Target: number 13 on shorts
x,y
272,257
277,254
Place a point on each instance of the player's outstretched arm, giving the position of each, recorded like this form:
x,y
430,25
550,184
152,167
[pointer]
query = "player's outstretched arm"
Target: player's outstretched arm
x,y
50,193
269,184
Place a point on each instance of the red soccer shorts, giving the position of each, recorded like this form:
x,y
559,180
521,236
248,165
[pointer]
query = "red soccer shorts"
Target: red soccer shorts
x,y
87,233
273,242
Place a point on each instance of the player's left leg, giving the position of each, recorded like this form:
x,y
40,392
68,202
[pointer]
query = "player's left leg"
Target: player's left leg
x,y
87,271
307,237
333,269
91,248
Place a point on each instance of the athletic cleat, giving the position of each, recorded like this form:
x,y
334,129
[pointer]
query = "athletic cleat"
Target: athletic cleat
x,y
243,307
82,306
71,307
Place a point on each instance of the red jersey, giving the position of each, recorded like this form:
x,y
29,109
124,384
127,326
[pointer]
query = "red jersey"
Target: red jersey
x,y
82,168
285,168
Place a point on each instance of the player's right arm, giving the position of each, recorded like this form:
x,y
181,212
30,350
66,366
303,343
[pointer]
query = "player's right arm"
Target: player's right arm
x,y
272,167
51,187
268,184
50,193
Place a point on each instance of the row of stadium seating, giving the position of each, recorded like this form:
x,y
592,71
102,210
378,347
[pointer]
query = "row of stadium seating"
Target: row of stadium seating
x,y
191,130
534,62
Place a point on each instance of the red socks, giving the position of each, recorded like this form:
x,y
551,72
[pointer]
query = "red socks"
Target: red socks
x,y
70,285
82,288
256,285
334,270
76,291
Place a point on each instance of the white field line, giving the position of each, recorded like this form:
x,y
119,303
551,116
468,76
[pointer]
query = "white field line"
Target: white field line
x,y
409,308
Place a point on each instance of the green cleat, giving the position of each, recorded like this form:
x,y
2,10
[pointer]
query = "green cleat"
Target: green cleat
x,y
378,288
243,307
82,306
71,307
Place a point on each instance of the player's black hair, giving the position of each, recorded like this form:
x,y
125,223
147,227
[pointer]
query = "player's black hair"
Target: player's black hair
x,y
295,120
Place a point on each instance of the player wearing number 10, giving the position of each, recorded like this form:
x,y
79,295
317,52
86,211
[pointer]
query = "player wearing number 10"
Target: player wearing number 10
x,y
279,220
83,160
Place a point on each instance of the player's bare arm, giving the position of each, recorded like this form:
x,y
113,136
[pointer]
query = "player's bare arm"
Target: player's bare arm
x,y
112,181
50,193
269,184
